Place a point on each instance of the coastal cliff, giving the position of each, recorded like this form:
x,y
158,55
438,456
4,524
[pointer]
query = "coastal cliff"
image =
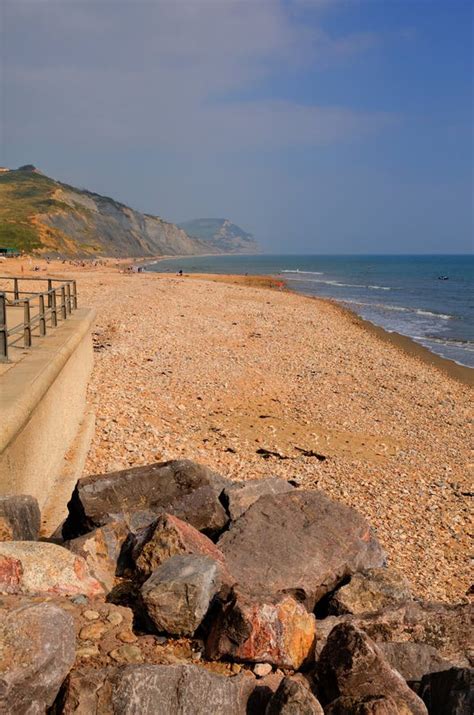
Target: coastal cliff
x,y
44,216
221,234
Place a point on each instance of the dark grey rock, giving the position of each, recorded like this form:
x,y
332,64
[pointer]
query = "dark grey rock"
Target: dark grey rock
x,y
22,512
369,705
293,698
449,692
37,650
240,495
299,543
351,665
178,594
180,487
413,660
371,591
445,627
155,690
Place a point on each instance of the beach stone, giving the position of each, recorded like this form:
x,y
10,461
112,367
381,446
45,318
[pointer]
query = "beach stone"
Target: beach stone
x,y
101,550
22,512
300,543
169,536
274,630
181,487
33,567
155,690
37,650
352,665
413,660
449,691
262,669
446,628
371,591
178,594
367,705
238,496
293,698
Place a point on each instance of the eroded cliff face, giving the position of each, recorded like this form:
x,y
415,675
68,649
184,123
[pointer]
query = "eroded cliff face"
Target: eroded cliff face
x,y
101,225
40,215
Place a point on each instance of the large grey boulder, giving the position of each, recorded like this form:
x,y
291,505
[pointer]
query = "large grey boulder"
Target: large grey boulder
x,y
37,650
156,690
367,705
178,594
449,692
293,698
371,591
22,513
413,660
180,487
300,543
238,496
351,665
445,627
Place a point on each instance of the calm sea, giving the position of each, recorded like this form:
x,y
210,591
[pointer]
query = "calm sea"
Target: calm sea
x,y
399,293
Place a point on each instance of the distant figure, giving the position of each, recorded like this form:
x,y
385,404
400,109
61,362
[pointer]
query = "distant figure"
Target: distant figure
x,y
180,272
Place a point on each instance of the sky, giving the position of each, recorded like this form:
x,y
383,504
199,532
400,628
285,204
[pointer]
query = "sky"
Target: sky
x,y
320,126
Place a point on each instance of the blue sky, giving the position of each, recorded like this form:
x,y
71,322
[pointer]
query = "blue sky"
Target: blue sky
x,y
322,126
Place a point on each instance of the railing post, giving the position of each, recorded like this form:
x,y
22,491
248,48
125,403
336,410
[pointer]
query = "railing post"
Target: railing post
x,y
42,317
3,329
54,311
63,303
50,288
68,302
26,323
16,292
74,295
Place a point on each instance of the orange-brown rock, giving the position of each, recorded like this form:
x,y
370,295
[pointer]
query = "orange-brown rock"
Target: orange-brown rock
x,y
263,630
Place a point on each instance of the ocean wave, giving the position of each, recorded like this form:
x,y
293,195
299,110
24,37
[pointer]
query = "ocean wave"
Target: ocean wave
x,y
297,270
403,309
335,283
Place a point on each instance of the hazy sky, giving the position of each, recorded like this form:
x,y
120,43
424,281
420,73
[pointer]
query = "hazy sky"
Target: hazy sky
x,y
318,125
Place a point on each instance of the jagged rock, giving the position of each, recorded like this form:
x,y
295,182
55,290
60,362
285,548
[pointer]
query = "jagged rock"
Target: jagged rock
x,y
369,705
32,567
178,594
238,496
449,692
413,660
169,536
37,649
101,550
444,627
181,487
371,591
301,543
155,690
293,698
22,512
351,665
273,630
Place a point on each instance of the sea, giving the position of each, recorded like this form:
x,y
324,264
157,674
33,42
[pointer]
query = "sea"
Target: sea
x,y
428,298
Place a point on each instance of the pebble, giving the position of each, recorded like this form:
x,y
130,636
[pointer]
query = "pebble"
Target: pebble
x,y
262,669
127,654
94,631
91,615
115,618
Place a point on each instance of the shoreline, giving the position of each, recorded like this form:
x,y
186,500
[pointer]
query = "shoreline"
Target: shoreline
x,y
409,346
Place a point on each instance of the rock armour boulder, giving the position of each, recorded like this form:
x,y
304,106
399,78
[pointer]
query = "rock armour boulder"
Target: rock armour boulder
x,y
300,543
22,513
37,649
371,591
181,487
352,666
293,698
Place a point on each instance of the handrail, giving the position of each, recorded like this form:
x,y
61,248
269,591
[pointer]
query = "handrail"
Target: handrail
x,y
38,307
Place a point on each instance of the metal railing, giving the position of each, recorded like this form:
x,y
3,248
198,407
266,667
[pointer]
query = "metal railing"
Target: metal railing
x,y
37,308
